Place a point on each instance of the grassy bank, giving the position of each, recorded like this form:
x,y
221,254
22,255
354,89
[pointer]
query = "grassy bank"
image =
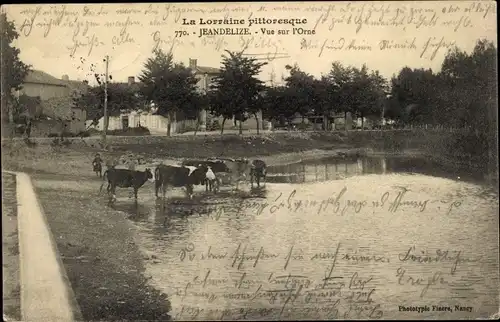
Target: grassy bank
x,y
96,242
437,145
102,260
10,250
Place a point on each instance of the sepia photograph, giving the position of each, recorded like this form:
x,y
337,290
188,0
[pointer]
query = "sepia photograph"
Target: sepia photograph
x,y
250,161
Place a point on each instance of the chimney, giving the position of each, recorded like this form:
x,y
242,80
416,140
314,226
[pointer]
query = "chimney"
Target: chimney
x,y
131,80
192,63
65,78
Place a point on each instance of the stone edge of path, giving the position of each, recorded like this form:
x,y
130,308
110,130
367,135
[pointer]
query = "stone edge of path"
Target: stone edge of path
x,y
46,293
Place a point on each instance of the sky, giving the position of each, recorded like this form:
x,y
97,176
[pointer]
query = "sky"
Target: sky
x,y
74,39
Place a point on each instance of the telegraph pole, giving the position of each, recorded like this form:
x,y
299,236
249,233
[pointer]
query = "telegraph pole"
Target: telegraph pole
x,y
105,103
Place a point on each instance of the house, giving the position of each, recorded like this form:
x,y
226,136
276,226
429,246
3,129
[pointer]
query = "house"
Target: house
x,y
205,76
134,116
56,102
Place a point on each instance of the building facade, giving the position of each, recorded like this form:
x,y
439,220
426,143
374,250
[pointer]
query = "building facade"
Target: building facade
x,y
56,101
134,116
205,76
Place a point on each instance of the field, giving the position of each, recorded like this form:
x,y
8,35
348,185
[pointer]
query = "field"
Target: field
x,y
97,244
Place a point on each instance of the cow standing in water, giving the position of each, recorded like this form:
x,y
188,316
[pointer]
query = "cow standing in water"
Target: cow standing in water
x,y
239,168
125,178
206,172
175,176
211,180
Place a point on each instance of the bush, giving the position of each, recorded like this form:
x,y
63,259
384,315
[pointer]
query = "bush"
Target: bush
x,y
58,142
131,131
186,129
303,126
93,132
84,134
215,126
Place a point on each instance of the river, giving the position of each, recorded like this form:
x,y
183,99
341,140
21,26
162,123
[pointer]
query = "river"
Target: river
x,y
353,238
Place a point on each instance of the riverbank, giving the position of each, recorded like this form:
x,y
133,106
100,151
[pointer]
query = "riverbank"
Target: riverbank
x,y
103,263
280,147
10,250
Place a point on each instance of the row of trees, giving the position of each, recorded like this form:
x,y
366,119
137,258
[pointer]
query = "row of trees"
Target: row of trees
x,y
238,92
344,89
462,94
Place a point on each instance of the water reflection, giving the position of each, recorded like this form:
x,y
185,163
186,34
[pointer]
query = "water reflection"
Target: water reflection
x,y
170,213
339,168
179,231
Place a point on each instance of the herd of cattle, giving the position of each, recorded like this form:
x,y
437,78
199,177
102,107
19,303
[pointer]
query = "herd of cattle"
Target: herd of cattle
x,y
188,174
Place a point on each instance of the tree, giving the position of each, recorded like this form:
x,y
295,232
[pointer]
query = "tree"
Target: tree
x,y
236,90
25,110
13,70
415,93
219,108
470,85
171,86
324,99
342,79
276,104
468,92
300,87
371,95
463,94
120,96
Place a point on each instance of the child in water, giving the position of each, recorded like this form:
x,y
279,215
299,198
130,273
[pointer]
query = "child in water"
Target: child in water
x,y
97,164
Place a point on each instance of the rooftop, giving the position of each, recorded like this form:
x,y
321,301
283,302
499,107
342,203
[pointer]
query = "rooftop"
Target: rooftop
x,y
206,70
40,77
193,64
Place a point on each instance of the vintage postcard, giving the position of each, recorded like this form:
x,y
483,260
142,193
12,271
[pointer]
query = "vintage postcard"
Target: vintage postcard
x,y
250,161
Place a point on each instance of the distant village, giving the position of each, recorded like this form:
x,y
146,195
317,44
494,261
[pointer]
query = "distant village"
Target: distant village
x,y
55,111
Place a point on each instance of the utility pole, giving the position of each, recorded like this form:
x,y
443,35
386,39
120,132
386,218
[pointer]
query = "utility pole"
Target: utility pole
x,y
105,121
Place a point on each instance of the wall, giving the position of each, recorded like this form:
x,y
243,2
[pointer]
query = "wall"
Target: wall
x,y
78,124
45,91
152,122
186,126
201,81
114,123
43,128
204,81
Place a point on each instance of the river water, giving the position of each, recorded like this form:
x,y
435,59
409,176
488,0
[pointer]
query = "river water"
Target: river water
x,y
378,238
